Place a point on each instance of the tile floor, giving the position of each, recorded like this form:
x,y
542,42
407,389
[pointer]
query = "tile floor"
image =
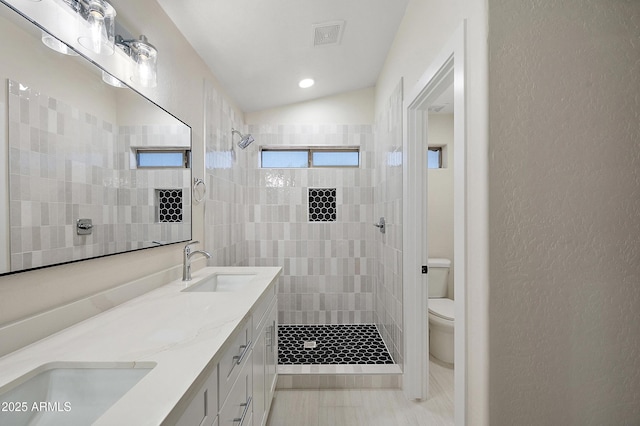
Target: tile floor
x,y
366,407
331,344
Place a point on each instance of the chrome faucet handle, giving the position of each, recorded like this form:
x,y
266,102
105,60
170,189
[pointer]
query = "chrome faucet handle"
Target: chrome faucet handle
x,y
187,248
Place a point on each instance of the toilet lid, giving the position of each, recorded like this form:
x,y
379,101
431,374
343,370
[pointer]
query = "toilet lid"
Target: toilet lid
x,y
443,308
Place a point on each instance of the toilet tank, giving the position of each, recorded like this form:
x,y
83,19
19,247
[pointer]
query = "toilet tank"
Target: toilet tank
x,y
438,277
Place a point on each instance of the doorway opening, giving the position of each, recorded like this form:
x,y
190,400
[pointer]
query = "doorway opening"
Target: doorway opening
x,y
447,70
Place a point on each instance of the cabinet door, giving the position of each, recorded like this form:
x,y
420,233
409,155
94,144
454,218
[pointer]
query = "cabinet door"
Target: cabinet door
x,y
259,378
271,355
233,360
203,407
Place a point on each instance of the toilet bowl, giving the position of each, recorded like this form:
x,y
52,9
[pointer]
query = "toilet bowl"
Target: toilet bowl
x,y
441,321
441,311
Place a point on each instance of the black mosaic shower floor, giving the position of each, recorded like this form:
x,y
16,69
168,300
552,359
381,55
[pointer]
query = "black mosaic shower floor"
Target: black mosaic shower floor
x,y
334,344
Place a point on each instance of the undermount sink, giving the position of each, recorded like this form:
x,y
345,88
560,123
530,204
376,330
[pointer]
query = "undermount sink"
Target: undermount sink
x,y
67,393
221,282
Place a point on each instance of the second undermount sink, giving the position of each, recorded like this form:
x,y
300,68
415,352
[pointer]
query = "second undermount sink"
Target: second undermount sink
x,y
67,393
221,282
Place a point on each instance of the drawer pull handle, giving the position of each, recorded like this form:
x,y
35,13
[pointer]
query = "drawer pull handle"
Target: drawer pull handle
x,y
269,334
245,349
246,406
267,337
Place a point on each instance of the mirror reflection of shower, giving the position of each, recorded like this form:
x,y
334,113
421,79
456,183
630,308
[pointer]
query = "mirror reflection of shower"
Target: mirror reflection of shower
x,y
245,140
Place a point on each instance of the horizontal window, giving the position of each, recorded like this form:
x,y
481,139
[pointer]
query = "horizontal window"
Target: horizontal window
x,y
285,159
335,158
148,158
272,158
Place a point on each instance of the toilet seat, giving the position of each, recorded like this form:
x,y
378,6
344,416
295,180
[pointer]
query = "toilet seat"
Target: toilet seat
x,y
442,308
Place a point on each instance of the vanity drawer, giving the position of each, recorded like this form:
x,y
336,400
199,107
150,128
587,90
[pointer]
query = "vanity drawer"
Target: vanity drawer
x,y
233,359
260,312
203,407
238,408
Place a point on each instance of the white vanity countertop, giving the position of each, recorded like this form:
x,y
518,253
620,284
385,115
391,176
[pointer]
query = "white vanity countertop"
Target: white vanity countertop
x,y
179,331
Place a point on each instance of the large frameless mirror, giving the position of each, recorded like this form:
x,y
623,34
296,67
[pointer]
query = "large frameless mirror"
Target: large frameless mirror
x,y
74,186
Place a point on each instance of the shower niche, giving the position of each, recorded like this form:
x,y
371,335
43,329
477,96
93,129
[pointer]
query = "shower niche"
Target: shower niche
x,y
322,205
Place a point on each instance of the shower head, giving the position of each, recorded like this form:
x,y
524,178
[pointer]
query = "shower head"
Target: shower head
x,y
245,140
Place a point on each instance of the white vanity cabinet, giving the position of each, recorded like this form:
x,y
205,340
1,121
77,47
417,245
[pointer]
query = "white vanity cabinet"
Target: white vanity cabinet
x,y
264,358
240,389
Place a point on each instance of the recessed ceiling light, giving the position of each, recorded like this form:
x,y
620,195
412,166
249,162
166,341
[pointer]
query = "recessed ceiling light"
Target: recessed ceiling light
x,y
306,83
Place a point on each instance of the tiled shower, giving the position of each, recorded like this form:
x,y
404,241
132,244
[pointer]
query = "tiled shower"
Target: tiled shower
x,y
338,269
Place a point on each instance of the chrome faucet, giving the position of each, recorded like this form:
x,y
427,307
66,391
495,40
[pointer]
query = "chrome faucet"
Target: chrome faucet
x,y
187,254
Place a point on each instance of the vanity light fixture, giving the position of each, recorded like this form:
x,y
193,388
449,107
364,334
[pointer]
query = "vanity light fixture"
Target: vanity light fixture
x,y
111,80
96,32
53,43
306,83
145,55
97,26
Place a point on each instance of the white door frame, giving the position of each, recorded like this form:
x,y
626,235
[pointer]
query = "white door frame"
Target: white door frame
x,y
449,66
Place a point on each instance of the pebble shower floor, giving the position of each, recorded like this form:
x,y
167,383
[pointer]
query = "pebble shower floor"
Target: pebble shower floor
x,y
331,344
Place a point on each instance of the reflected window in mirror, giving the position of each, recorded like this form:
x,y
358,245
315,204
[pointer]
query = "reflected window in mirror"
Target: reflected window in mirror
x,y
151,158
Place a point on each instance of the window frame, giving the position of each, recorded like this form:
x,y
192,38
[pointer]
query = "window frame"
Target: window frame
x,y
310,151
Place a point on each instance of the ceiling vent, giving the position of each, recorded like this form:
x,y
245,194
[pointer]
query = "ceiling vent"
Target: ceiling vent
x,y
328,33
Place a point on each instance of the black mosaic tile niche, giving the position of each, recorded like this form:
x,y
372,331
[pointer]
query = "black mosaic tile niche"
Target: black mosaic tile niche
x,y
331,344
169,202
322,205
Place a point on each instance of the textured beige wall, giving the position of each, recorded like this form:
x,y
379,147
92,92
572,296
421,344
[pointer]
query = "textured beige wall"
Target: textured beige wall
x,y
565,212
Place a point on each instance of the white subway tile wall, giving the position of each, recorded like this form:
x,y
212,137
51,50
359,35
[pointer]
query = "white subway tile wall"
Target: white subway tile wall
x,y
327,266
226,178
387,183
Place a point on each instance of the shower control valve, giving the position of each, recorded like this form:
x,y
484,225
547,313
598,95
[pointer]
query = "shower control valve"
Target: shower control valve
x,y
381,225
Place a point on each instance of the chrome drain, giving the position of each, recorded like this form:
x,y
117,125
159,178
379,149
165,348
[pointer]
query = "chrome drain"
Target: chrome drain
x,y
310,345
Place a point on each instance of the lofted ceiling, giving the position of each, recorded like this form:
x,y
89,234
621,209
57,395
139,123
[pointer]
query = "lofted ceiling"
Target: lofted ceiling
x,y
259,50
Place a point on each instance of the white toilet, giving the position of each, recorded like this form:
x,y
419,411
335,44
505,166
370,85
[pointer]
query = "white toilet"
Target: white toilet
x,y
441,311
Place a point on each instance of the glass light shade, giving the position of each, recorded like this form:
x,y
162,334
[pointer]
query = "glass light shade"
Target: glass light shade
x,y
111,80
53,43
97,28
146,59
